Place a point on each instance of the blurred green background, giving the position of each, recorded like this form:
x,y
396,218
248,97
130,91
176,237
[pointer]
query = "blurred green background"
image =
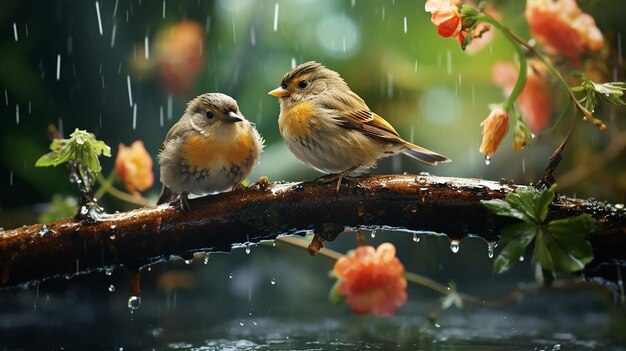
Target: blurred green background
x,y
62,64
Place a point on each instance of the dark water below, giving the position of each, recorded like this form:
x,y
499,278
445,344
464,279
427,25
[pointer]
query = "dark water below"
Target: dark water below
x,y
275,298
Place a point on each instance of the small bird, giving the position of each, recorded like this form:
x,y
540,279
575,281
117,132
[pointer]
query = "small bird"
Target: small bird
x,y
212,148
330,128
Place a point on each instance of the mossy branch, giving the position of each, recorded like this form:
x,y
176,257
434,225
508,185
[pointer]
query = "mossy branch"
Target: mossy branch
x,y
266,210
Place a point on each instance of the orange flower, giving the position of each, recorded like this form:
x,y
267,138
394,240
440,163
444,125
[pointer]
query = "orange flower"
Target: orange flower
x,y
446,16
535,100
495,127
179,51
562,28
372,280
134,167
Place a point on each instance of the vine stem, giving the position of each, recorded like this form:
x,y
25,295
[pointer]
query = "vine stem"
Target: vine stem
x,y
109,188
514,38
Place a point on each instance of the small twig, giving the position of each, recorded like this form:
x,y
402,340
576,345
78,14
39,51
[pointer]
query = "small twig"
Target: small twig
x,y
547,179
135,200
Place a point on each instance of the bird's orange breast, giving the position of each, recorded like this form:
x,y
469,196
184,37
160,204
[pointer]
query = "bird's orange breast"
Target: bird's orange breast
x,y
200,151
295,120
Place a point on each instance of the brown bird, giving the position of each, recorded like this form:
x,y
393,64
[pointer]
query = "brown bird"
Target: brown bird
x,y
212,148
330,128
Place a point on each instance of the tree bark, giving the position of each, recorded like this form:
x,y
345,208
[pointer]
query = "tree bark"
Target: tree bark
x,y
266,210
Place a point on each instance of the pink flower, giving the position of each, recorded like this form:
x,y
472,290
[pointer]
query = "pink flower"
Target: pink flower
x,y
134,167
446,16
495,127
372,280
535,100
562,28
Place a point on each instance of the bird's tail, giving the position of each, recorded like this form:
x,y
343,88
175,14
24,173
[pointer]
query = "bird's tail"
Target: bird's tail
x,y
424,155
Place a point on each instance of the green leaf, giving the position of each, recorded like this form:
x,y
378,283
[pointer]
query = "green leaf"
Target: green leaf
x,y
567,241
543,202
333,295
514,240
542,253
503,208
61,207
82,147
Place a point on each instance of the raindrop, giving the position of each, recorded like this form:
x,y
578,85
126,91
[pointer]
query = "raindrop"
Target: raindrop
x,y
449,62
161,116
523,166
113,35
373,235
293,63
521,258
405,24
383,13
58,67
276,17
353,3
163,9
487,160
241,323
230,276
115,8
206,258
252,36
17,114
99,19
455,246
234,31
273,281
108,271
6,97
130,93
146,46
15,31
416,239
11,178
111,288
415,66
189,261
253,322
170,101
248,249
491,245
134,302
134,116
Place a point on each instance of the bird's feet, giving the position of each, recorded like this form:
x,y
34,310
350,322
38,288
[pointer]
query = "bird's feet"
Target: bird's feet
x,y
339,177
183,201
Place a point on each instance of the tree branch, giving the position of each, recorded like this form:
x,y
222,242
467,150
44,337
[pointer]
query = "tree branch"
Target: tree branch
x,y
266,210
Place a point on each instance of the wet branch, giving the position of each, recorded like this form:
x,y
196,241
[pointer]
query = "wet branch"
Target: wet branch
x,y
267,210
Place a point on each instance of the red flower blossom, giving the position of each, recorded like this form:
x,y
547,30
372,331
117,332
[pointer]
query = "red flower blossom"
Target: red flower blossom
x,y
562,28
495,127
372,280
446,16
179,51
134,167
535,100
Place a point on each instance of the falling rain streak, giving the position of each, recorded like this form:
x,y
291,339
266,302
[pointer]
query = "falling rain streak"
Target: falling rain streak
x,y
15,30
161,116
113,35
99,19
17,113
276,17
163,9
58,67
130,94
146,46
134,116
405,25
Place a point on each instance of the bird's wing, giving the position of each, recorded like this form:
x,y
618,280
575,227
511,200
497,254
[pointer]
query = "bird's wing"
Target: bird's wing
x,y
369,123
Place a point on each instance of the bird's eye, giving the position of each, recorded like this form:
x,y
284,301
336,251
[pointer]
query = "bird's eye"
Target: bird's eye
x,y
209,115
303,84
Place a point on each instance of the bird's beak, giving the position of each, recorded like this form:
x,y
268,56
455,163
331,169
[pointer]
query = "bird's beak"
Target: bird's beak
x,y
233,117
279,92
